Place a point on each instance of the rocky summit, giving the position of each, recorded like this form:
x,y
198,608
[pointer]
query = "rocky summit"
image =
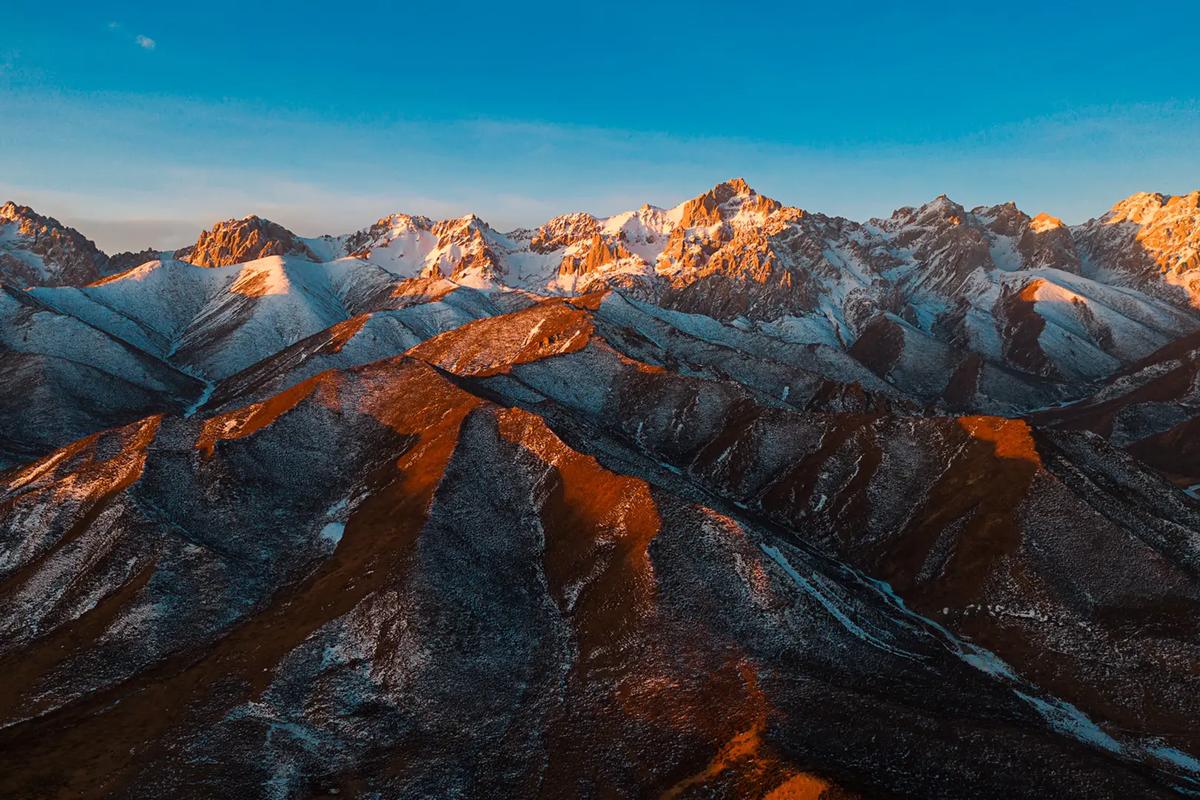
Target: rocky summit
x,y
731,499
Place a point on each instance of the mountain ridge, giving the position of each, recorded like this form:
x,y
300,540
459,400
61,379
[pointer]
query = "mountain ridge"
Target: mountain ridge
x,y
240,240
987,309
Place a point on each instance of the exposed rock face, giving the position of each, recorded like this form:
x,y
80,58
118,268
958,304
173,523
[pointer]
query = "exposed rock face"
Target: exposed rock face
x,y
467,251
563,231
732,201
950,244
1150,241
236,241
1022,327
1046,243
120,262
41,251
737,253
597,253
947,245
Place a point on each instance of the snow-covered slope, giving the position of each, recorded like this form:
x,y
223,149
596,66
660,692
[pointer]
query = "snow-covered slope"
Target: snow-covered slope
x,y
149,306
61,378
217,320
270,303
361,339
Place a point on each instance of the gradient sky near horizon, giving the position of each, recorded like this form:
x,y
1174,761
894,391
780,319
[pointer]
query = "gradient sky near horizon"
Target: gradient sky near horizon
x,y
141,123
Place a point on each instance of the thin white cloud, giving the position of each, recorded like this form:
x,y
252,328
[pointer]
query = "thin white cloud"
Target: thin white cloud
x,y
141,40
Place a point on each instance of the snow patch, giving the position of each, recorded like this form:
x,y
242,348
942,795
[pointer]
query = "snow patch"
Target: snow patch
x,y
811,589
332,532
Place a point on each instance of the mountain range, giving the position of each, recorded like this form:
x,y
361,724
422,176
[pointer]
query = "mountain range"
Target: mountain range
x,y
724,500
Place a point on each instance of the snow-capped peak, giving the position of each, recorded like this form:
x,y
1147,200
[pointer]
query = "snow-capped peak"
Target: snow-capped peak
x,y
1138,208
732,201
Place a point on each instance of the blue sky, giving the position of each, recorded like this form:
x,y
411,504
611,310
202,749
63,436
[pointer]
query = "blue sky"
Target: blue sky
x,y
141,123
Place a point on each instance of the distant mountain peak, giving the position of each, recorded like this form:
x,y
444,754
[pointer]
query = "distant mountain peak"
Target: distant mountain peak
x,y
15,212
1044,222
399,219
1143,208
384,232
39,250
1137,207
1153,239
12,211
724,202
564,230
467,224
942,204
234,241
735,185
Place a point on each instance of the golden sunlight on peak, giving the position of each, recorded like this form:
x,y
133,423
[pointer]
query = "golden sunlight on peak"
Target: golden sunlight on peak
x,y
1044,222
1136,208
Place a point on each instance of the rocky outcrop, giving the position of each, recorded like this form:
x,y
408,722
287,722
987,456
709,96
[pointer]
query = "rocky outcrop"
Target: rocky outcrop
x,y
120,262
1020,327
593,256
1044,242
1150,241
563,231
946,243
236,241
737,253
41,251
726,202
467,250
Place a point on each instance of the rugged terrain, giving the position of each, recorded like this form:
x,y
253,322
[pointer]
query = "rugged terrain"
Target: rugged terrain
x,y
730,499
